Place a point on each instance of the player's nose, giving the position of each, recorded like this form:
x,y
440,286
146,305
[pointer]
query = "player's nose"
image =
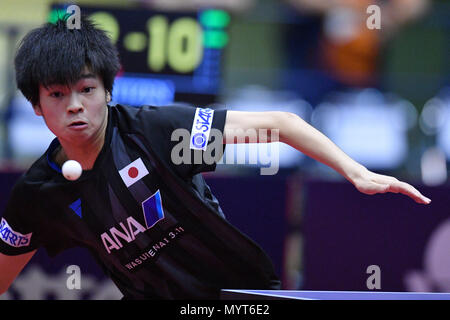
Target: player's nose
x,y
75,106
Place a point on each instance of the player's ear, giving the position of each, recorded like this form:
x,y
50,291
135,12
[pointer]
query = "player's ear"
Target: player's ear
x,y
108,97
37,109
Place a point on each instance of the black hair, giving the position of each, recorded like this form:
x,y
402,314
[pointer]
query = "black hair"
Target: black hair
x,y
54,54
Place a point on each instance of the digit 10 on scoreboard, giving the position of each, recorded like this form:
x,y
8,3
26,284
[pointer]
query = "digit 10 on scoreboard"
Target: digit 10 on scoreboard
x,y
159,42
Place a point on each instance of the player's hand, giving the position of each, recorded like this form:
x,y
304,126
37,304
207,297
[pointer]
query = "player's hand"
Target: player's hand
x,y
370,183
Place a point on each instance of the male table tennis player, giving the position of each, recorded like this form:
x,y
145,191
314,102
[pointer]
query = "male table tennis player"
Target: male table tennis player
x,y
153,226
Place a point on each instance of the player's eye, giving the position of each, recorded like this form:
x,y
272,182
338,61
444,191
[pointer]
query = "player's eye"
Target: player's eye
x,y
56,94
88,89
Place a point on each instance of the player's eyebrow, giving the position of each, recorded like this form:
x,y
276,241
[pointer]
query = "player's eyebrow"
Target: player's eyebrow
x,y
87,76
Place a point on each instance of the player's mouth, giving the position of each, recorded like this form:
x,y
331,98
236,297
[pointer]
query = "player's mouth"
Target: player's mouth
x,y
78,125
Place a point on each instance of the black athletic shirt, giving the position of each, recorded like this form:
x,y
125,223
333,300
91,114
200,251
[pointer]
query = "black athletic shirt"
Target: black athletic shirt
x,y
154,226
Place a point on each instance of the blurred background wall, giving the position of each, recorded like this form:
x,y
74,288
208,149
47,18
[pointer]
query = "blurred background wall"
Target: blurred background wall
x,y
381,94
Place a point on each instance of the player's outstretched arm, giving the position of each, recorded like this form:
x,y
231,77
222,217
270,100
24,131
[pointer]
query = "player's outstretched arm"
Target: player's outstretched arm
x,y
10,267
297,133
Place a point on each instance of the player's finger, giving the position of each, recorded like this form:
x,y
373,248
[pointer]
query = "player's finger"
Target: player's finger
x,y
409,190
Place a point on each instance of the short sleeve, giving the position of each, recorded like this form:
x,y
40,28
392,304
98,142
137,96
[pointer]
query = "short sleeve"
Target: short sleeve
x,y
189,139
18,230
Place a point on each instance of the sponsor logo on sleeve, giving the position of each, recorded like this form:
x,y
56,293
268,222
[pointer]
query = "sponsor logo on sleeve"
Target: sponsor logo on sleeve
x,y
13,238
201,128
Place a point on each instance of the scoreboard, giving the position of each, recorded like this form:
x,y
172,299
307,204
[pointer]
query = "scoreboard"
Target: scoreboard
x,y
165,56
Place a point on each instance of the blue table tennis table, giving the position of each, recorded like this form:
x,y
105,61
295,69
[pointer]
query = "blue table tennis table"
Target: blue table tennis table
x,y
329,295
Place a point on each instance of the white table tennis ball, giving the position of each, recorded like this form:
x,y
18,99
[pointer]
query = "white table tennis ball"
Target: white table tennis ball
x,y
71,170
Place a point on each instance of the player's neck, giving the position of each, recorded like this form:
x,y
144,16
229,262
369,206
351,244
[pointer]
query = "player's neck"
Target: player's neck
x,y
85,156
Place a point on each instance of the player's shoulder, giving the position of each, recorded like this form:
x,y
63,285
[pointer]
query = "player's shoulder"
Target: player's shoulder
x,y
120,110
132,118
28,184
37,174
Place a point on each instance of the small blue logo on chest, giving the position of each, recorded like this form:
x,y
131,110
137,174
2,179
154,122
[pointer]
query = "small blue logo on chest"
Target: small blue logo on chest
x,y
76,207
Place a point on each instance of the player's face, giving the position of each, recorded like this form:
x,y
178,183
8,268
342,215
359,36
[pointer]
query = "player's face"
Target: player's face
x,y
76,114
